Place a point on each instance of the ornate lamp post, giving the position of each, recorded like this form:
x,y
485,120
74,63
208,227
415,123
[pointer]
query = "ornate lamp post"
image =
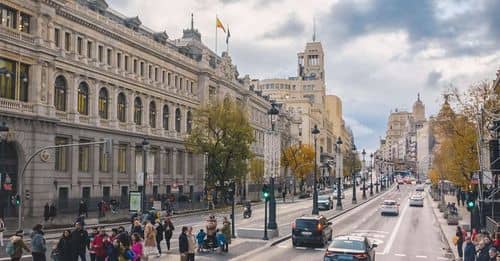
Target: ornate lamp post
x,y
315,132
145,144
273,114
371,174
377,176
363,171
354,201
339,174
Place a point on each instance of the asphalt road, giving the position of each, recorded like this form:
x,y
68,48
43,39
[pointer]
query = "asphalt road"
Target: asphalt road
x,y
413,235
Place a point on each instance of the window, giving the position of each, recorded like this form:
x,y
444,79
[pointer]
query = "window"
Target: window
x,y
103,159
79,43
67,41
61,154
169,79
100,53
83,156
122,158
150,72
156,74
152,114
103,103
163,76
13,85
189,121
89,49
165,117
83,98
180,83
119,60
142,69
138,111
108,56
135,65
25,22
191,89
106,193
8,16
23,82
176,82
57,37
121,107
60,87
178,120
126,63
63,198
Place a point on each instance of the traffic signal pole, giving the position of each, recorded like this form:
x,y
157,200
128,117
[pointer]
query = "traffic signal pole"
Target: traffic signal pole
x,y
265,221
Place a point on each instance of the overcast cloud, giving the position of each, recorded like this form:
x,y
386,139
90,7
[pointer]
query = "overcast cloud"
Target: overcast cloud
x,y
379,53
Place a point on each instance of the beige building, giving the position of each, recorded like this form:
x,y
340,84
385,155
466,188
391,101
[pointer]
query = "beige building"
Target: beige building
x,y
74,71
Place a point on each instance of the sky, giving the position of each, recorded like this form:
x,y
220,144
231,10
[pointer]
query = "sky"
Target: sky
x,y
379,53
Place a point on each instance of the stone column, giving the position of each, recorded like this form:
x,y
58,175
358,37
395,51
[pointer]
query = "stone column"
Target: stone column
x,y
174,164
94,87
186,167
73,97
94,164
172,108
74,168
50,28
202,91
131,164
112,106
113,166
162,160
35,83
183,119
130,110
145,114
159,115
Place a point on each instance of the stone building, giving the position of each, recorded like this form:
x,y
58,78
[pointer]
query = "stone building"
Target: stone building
x,y
76,71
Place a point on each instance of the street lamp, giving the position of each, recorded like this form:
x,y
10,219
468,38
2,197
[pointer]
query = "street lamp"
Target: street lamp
x,y
145,144
364,173
354,201
371,174
273,114
339,174
377,176
315,132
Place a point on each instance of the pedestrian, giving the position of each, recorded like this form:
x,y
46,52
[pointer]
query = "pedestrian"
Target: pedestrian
x,y
226,230
91,247
38,244
123,237
191,244
462,197
137,246
458,195
221,240
16,245
183,244
168,226
112,249
460,241
150,247
137,228
470,250
100,208
159,235
284,195
200,238
83,209
52,211
473,235
98,245
46,212
62,251
2,229
79,242
493,254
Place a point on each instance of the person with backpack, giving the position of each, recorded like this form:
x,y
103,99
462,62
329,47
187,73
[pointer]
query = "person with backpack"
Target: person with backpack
x,y
159,235
200,238
79,242
62,250
16,245
38,244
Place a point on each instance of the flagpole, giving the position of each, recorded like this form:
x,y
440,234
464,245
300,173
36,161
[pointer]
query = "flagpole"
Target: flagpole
x,y
227,40
216,34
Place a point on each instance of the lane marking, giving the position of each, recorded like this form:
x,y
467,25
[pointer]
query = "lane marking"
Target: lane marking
x,y
442,258
399,254
301,248
396,229
320,249
283,246
421,256
380,253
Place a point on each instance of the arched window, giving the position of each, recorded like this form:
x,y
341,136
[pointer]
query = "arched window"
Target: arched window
x,y
189,122
121,110
166,115
152,114
178,120
103,103
60,87
83,98
138,111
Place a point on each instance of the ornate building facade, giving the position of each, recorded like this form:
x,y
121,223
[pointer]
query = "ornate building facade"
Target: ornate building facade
x,y
75,71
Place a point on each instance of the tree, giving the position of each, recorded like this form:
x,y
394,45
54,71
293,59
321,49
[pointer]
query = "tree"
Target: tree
x,y
222,131
300,159
257,170
351,163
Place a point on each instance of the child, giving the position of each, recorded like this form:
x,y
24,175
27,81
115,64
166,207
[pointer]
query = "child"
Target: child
x,y
200,239
221,240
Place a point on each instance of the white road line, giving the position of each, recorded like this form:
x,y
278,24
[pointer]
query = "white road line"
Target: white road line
x,y
283,246
443,258
320,249
394,232
421,256
399,254
301,248
380,253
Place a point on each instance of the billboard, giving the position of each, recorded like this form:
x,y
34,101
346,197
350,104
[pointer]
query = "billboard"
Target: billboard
x,y
135,199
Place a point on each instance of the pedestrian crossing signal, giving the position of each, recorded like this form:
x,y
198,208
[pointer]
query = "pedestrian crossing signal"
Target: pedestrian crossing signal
x,y
265,191
470,204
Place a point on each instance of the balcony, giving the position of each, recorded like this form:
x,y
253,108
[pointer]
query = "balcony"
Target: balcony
x,y
15,106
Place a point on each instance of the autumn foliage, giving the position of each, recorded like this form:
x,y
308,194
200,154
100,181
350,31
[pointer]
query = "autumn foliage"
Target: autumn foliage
x,y
300,159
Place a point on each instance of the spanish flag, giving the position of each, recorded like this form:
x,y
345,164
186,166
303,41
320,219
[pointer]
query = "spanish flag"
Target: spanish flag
x,y
218,24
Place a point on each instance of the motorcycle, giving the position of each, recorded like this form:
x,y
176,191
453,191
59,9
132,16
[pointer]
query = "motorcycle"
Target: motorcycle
x,y
247,211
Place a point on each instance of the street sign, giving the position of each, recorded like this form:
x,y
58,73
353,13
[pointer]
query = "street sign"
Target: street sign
x,y
135,199
45,155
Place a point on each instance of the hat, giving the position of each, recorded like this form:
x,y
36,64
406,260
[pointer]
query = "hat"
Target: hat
x,y
19,232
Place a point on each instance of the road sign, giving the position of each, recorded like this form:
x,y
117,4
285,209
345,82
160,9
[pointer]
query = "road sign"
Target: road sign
x,y
135,199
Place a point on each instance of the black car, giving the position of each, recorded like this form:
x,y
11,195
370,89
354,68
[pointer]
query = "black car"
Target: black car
x,y
350,248
314,230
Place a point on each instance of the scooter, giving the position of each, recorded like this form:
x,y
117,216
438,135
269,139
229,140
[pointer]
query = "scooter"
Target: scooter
x,y
247,211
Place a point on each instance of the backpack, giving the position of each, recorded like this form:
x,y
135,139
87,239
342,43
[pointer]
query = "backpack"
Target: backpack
x,y
10,248
129,254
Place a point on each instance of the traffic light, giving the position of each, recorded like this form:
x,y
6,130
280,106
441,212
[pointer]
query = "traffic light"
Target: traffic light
x,y
265,192
15,200
471,202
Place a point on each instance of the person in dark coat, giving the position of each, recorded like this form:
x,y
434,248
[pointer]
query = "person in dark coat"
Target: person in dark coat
x,y
168,227
52,211
183,244
79,242
460,241
83,209
46,212
63,248
470,250
123,237
159,234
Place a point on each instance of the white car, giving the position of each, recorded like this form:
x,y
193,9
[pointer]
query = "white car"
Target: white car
x,y
417,200
334,193
390,207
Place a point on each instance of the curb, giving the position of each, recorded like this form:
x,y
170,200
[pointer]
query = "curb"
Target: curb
x,y
282,239
443,234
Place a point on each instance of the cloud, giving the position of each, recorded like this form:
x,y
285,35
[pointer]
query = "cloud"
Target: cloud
x,y
433,78
290,28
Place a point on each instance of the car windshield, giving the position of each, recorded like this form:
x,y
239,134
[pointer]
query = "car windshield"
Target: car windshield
x,y
389,203
305,223
348,244
323,198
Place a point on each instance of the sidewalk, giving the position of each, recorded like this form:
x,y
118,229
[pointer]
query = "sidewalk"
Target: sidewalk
x,y
448,231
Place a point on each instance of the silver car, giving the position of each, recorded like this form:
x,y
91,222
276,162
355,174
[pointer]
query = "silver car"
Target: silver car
x,y
334,194
390,207
417,200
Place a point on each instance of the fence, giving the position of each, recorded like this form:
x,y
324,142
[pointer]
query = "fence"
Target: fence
x,y
492,226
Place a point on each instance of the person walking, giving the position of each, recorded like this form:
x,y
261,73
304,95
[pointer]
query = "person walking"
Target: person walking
x,y
458,193
52,211
79,242
159,235
191,244
2,229
62,251
83,209
16,246
470,250
137,247
38,244
200,238
460,241
46,212
183,244
168,226
137,228
150,247
226,230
